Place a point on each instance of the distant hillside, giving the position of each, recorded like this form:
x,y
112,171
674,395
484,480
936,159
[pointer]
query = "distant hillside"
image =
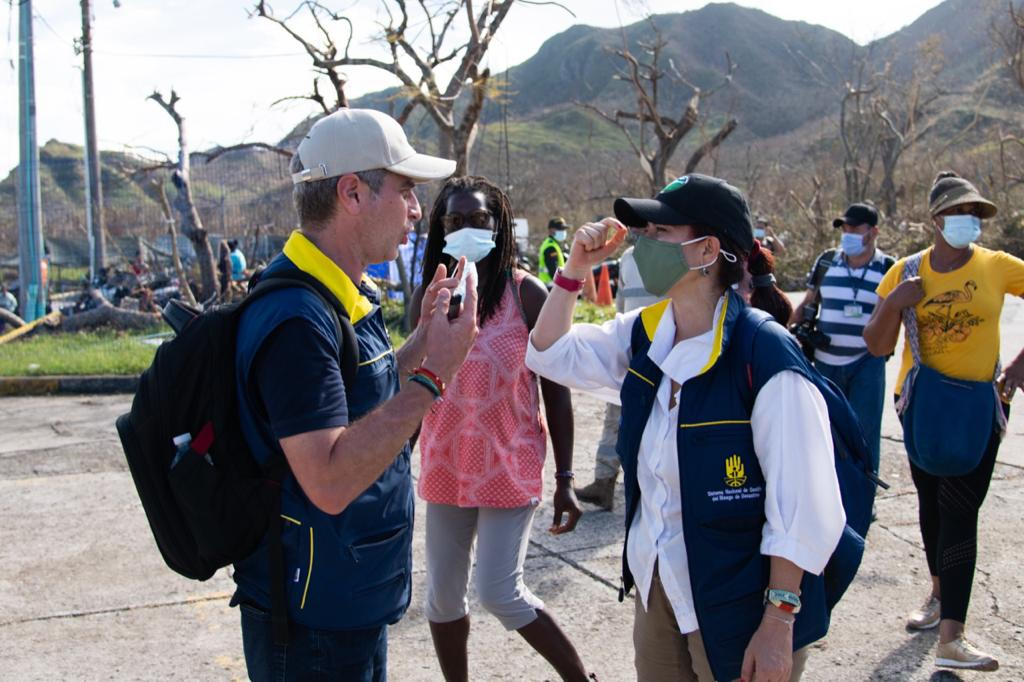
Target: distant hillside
x,y
784,93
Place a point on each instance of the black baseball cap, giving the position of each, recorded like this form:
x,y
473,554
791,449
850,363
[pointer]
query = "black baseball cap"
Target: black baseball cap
x,y
694,199
557,223
858,214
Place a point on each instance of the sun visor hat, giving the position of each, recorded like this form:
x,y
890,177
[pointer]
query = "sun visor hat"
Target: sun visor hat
x,y
693,199
954,191
355,140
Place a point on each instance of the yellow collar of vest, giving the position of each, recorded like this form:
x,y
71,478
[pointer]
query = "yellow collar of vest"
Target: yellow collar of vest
x,y
311,260
651,317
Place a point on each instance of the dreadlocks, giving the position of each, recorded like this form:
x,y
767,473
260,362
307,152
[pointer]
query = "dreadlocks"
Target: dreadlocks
x,y
500,261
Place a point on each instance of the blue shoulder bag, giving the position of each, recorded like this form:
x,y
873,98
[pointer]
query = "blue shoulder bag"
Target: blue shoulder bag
x,y
939,440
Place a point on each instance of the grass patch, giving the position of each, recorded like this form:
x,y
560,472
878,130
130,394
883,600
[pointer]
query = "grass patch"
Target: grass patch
x,y
99,352
123,353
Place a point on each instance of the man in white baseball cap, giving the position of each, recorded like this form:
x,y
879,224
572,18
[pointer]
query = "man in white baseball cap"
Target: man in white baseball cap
x,y
346,501
354,140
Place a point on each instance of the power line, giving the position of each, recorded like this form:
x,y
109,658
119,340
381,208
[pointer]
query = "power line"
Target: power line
x,y
199,56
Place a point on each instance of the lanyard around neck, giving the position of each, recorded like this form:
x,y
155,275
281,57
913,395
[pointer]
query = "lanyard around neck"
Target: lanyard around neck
x,y
863,274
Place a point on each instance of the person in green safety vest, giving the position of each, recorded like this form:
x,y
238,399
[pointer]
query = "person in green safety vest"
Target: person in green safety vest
x,y
551,256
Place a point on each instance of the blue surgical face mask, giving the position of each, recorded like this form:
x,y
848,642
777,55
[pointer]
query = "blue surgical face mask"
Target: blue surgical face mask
x,y
960,231
852,244
471,242
560,235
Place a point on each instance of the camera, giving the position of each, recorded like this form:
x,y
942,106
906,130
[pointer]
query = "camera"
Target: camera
x,y
807,333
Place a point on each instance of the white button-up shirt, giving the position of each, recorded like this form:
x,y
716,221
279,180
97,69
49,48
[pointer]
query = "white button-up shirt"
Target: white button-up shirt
x,y
792,441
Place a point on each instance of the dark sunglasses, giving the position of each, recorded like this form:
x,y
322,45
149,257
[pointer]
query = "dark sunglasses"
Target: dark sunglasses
x,y
456,221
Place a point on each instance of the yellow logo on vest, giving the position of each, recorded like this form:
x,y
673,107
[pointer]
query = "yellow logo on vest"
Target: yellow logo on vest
x,y
735,474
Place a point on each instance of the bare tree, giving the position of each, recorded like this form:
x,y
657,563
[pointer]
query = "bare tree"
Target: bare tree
x,y
421,81
156,188
907,112
859,132
654,135
1010,36
191,225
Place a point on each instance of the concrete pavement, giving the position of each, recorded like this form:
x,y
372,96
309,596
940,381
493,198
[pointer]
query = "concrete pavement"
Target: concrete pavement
x,y
85,595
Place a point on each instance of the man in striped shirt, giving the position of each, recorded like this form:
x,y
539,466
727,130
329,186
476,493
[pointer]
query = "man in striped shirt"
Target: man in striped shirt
x,y
846,295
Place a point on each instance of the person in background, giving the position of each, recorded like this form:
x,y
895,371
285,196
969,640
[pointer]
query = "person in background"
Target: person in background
x,y
758,287
238,264
224,270
7,300
483,447
718,583
766,235
846,293
630,296
958,297
551,256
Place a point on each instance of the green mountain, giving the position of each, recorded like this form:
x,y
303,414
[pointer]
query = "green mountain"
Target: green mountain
x,y
784,92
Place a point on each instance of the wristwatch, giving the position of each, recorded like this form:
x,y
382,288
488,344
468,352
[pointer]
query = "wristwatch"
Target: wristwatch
x,y
784,600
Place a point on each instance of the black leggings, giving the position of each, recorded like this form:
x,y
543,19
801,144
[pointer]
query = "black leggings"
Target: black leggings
x,y
948,513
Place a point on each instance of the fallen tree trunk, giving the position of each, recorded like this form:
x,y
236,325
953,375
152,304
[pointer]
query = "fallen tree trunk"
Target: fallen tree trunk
x,y
10,319
106,315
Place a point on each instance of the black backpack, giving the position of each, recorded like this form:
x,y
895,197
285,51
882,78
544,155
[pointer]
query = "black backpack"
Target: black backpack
x,y
215,505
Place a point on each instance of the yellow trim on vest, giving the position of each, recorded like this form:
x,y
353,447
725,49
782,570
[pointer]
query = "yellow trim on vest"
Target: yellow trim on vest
x,y
288,518
651,316
718,423
311,260
641,376
386,353
716,344
309,571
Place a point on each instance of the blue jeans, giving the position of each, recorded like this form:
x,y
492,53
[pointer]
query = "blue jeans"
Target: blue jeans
x,y
863,384
346,655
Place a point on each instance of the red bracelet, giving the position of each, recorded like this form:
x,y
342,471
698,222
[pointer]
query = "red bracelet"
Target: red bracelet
x,y
436,380
567,283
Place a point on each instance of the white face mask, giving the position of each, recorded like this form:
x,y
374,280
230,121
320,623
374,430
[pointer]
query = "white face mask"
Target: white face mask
x,y
960,231
471,242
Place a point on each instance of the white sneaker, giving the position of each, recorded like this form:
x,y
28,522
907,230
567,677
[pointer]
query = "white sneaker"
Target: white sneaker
x,y
962,654
926,617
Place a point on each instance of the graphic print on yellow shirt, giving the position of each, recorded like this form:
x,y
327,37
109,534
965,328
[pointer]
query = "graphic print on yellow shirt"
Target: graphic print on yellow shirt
x,y
958,317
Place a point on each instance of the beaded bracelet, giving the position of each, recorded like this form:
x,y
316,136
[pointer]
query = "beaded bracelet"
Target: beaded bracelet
x,y
565,474
426,383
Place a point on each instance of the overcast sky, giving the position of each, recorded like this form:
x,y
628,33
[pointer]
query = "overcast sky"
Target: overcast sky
x,y
228,68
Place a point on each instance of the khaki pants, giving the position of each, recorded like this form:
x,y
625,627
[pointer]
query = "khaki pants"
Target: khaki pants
x,y
663,653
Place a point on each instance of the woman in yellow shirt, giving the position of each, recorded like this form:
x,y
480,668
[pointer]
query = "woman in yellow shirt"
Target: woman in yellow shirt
x,y
958,298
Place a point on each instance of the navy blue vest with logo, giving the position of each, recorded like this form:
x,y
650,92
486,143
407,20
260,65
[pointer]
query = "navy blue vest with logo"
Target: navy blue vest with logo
x,y
723,487
350,570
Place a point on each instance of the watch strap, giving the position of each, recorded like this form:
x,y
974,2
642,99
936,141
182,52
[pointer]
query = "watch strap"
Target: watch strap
x,y
784,600
567,283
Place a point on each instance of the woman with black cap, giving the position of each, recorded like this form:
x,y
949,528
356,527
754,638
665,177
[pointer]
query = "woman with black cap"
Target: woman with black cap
x,y
727,525
953,305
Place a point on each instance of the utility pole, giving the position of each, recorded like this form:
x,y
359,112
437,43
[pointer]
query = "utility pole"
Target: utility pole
x,y
94,190
32,291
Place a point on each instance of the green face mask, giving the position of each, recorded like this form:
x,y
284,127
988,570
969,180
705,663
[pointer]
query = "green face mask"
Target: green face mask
x,y
661,264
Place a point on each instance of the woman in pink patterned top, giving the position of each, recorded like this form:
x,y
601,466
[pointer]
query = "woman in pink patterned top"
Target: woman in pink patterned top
x,y
483,445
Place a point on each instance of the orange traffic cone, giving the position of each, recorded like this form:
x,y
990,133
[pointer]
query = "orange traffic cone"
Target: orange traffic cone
x,y
604,287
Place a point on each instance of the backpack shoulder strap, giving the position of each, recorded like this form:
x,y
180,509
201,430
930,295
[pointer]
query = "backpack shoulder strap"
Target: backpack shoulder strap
x,y
348,346
887,263
821,266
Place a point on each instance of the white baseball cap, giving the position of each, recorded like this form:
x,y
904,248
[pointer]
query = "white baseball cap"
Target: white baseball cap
x,y
354,140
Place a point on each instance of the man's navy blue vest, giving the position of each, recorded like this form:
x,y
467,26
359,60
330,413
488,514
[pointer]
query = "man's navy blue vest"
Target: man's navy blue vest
x,y
723,487
345,571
